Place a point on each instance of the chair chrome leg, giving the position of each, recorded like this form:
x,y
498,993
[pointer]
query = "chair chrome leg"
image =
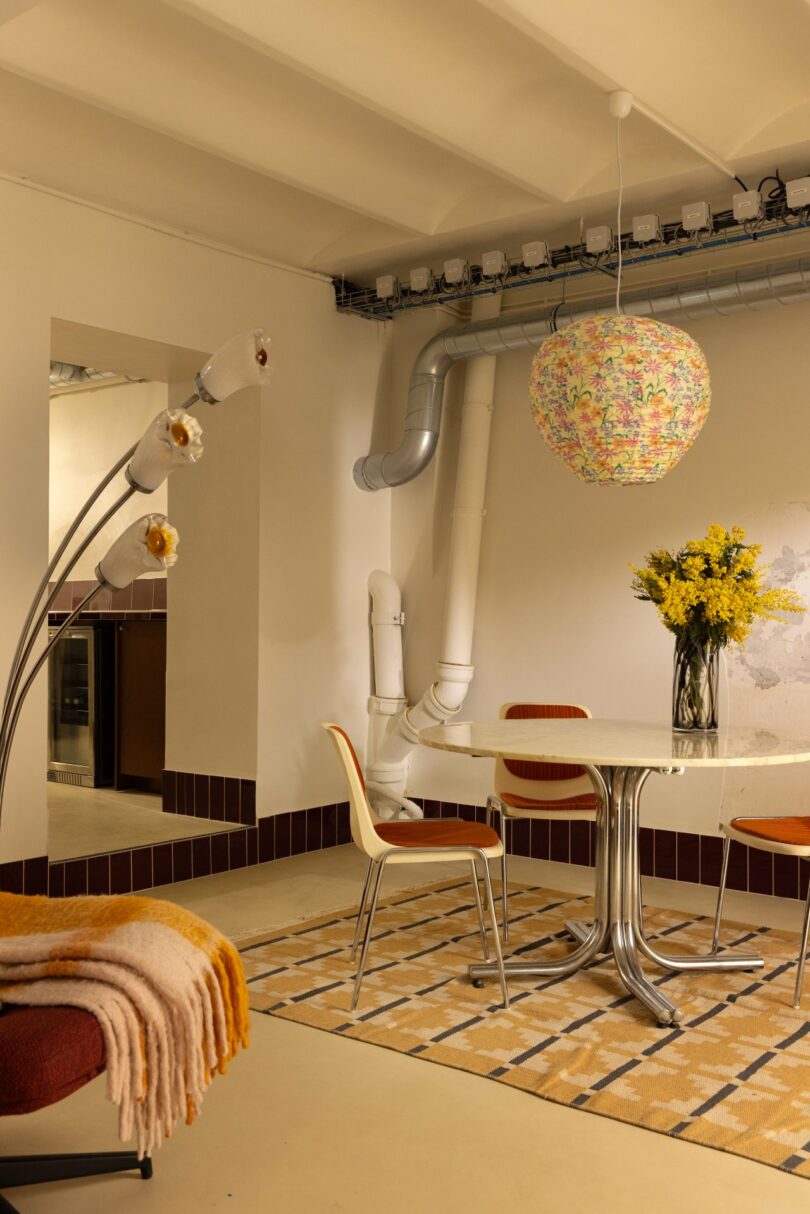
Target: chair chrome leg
x,y
797,996
504,881
375,893
361,908
480,908
495,936
721,893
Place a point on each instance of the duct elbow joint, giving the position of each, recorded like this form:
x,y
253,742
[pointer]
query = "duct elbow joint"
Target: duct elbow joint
x,y
367,473
372,472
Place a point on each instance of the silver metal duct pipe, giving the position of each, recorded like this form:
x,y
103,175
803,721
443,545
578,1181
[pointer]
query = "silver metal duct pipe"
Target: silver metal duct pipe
x,y
756,287
68,375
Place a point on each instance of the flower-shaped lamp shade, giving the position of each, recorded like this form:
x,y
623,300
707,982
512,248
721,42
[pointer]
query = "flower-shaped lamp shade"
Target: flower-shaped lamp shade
x,y
241,362
147,546
620,399
172,440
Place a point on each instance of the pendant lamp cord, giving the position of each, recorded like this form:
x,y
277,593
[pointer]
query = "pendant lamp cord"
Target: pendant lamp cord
x,y
619,216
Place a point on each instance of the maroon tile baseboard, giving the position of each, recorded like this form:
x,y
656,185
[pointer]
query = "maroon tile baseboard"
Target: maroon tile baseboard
x,y
218,798
677,855
123,872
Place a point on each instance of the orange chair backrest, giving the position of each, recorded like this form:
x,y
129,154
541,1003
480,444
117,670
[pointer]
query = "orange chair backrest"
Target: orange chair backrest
x,y
542,781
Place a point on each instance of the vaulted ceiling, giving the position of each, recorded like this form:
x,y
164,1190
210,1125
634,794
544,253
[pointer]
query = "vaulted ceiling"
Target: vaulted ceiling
x,y
357,136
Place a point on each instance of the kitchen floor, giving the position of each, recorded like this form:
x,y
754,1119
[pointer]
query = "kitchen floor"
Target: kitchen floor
x,y
308,1123
86,821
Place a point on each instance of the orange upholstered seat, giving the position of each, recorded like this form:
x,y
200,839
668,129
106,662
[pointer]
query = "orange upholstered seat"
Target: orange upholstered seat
x,y
440,832
793,831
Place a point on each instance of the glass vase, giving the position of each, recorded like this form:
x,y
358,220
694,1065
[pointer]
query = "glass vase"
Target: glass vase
x,y
694,685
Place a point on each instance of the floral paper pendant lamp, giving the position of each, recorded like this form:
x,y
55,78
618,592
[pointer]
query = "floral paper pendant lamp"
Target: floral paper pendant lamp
x,y
620,398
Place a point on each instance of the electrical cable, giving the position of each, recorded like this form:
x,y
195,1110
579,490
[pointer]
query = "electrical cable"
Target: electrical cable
x,y
619,216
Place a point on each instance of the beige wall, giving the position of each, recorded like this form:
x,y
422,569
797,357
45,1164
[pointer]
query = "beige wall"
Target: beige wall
x,y
89,432
68,261
213,591
320,537
556,618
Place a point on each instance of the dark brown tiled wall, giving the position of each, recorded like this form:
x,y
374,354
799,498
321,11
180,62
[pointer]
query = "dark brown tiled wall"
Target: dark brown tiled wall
x,y
219,798
145,597
677,855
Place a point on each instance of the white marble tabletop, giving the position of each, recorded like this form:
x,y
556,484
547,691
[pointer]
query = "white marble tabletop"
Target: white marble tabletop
x,y
604,743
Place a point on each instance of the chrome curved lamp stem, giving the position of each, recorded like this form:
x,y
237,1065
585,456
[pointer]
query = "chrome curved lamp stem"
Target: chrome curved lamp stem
x,y
17,670
16,706
57,556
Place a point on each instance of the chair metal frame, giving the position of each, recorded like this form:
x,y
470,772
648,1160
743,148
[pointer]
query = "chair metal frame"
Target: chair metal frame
x,y
775,847
538,790
364,834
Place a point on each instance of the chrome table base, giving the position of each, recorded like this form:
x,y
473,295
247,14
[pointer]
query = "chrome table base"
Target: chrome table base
x,y
618,926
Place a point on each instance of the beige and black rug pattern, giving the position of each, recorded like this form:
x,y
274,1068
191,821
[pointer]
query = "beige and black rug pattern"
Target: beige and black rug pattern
x,y
734,1075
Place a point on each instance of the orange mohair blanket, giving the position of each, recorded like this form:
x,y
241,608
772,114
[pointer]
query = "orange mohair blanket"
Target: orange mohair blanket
x,y
167,989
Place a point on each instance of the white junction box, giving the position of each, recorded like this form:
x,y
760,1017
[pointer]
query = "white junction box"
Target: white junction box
x,y
494,264
421,279
387,287
599,240
797,193
747,205
696,217
535,254
456,270
646,228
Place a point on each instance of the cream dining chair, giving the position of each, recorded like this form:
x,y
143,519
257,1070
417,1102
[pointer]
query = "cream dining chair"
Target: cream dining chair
x,y
525,789
438,840
782,836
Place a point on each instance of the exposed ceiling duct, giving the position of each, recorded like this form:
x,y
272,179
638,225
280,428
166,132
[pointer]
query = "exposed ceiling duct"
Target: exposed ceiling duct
x,y
67,377
756,287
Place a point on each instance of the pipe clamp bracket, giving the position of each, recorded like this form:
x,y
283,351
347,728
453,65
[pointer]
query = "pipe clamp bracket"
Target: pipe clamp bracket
x,y
384,617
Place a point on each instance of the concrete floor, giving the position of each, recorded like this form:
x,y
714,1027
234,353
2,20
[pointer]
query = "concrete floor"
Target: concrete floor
x,y
306,1123
85,821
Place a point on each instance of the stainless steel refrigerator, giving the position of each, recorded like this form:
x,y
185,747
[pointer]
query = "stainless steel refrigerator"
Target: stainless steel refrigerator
x,y
81,706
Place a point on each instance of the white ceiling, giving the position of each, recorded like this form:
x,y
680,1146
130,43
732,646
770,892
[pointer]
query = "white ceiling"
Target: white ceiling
x,y
355,136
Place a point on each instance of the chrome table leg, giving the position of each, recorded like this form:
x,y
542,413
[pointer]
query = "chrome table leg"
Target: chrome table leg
x,y
712,961
627,784
618,925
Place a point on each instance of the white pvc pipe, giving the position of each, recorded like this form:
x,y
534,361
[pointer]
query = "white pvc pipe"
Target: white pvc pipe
x,y
468,519
386,633
386,781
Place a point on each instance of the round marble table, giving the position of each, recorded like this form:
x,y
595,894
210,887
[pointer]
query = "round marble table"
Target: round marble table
x,y
619,756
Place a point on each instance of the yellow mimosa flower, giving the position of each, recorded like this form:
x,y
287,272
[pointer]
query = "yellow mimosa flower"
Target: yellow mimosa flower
x,y
712,589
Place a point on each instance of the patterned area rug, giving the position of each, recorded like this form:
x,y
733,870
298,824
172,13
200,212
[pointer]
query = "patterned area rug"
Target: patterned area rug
x,y
735,1075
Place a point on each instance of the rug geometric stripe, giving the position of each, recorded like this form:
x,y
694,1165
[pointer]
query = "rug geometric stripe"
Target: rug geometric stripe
x,y
734,1075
